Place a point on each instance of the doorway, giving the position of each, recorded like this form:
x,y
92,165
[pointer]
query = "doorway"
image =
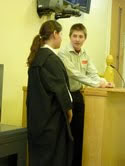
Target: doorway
x,y
117,44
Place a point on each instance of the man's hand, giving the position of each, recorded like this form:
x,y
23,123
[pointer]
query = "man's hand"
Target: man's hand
x,y
110,85
69,115
105,84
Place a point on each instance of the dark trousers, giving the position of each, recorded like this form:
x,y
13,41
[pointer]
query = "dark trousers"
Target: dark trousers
x,y
77,126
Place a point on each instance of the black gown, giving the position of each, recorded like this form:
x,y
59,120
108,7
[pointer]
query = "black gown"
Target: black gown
x,y
49,136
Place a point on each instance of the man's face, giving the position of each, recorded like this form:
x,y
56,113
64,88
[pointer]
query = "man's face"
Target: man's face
x,y
77,39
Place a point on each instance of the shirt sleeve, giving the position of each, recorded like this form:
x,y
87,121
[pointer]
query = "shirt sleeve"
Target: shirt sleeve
x,y
91,79
54,79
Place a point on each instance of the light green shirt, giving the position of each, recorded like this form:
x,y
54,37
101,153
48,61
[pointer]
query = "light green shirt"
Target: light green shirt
x,y
79,68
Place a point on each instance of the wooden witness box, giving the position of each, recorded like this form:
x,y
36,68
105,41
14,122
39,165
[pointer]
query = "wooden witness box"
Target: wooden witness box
x,y
104,127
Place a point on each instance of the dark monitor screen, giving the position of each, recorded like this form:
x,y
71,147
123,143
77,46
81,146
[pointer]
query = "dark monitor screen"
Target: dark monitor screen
x,y
84,4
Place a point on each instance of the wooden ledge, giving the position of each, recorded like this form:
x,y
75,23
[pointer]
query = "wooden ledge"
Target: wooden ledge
x,y
102,91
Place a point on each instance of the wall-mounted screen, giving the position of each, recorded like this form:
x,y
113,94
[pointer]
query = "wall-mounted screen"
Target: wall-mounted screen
x,y
84,5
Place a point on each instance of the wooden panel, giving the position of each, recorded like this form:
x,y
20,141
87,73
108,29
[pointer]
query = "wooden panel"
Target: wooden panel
x,y
104,134
93,133
24,117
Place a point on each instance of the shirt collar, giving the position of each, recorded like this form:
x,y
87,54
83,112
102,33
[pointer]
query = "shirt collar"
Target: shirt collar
x,y
52,49
71,49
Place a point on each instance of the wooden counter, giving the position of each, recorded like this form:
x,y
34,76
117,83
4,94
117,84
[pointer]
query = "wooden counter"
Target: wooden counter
x,y
104,127
24,117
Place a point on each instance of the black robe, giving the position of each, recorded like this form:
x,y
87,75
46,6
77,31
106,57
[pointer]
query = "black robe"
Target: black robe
x,y
49,136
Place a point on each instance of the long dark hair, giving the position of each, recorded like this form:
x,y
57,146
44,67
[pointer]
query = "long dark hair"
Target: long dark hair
x,y
45,32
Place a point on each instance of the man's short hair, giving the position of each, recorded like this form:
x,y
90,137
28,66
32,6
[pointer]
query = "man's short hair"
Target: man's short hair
x,y
78,27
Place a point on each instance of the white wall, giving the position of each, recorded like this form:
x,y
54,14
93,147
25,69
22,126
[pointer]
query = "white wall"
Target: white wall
x,y
19,24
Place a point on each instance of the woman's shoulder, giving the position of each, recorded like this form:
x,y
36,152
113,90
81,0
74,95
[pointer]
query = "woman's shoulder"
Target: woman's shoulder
x,y
41,56
53,58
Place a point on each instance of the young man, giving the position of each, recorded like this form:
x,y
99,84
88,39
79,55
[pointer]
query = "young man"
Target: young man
x,y
81,71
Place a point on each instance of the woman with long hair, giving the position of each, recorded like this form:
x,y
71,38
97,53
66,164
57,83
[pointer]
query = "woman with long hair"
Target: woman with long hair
x,y
49,103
